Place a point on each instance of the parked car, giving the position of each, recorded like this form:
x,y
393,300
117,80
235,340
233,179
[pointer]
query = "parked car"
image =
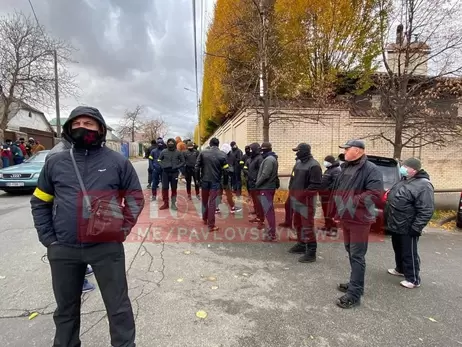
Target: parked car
x,y
23,177
390,170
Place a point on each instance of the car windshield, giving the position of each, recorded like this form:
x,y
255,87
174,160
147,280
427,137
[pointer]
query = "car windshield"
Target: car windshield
x,y
37,158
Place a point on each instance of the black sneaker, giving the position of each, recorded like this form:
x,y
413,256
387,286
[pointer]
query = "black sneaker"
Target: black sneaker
x,y
308,257
270,238
298,248
347,302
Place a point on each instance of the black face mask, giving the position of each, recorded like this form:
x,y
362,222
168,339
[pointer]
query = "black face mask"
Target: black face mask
x,y
171,146
303,154
85,138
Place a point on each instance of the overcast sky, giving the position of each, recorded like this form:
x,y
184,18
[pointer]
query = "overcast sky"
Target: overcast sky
x,y
129,52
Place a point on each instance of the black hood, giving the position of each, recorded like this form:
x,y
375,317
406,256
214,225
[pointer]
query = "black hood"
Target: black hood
x,y
84,111
255,148
422,174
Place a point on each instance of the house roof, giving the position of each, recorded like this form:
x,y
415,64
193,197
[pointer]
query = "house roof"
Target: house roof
x,y
25,106
53,122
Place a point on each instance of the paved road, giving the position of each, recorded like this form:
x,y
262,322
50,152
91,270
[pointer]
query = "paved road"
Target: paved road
x,y
255,294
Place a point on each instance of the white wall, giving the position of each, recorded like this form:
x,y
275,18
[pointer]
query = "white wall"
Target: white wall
x,y
25,119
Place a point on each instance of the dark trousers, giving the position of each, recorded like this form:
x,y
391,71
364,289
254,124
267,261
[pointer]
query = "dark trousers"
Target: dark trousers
x,y
255,195
149,175
356,239
289,213
236,181
169,179
190,174
209,199
407,257
156,178
266,199
68,267
304,210
329,223
6,162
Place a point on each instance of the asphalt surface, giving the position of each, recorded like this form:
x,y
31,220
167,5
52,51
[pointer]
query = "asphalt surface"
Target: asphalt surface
x,y
255,294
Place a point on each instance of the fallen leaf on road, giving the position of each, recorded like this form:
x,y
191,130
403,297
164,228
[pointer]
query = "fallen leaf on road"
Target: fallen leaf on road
x,y
211,279
245,274
143,253
33,315
286,268
437,252
214,287
179,280
236,276
2,277
201,314
420,339
432,319
187,252
312,337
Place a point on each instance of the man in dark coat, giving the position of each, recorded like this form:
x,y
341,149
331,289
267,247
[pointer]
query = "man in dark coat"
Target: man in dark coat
x,y
410,206
303,190
356,194
251,168
190,156
147,153
171,161
267,183
328,181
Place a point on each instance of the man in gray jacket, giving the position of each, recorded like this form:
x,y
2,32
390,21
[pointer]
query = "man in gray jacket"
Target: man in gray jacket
x,y
267,183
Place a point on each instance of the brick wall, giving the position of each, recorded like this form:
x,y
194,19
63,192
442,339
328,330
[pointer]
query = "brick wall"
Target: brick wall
x,y
336,127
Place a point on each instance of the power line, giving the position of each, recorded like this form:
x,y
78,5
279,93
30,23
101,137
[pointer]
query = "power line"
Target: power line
x,y
55,60
195,69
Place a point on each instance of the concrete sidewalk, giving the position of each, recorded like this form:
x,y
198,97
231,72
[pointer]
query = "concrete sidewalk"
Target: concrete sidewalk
x,y
255,294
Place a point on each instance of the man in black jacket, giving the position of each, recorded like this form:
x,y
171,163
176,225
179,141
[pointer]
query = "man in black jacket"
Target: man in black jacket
x,y
61,217
410,206
252,167
211,165
303,189
328,180
190,156
356,193
171,161
235,161
267,183
147,153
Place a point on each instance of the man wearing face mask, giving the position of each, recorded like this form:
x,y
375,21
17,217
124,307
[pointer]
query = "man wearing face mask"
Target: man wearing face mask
x,y
171,161
190,156
235,162
356,192
409,208
304,186
252,167
267,183
61,217
328,180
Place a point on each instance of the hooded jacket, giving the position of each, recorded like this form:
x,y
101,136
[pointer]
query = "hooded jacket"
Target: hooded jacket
x,y
410,205
57,202
171,160
306,177
267,177
211,165
253,165
328,179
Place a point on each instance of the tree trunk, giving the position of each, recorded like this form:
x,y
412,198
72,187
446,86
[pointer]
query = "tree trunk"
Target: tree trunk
x,y
398,145
266,122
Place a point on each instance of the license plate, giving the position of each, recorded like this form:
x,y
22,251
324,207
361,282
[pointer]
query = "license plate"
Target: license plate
x,y
15,184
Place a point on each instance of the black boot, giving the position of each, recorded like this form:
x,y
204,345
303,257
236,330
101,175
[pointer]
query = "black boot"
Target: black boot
x,y
298,248
308,257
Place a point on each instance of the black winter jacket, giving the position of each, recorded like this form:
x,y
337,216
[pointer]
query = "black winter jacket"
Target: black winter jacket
x,y
253,166
410,205
190,157
267,177
211,165
57,203
306,178
171,160
357,192
328,179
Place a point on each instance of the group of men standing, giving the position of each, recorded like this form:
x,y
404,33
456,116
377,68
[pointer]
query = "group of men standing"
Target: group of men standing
x,y
14,153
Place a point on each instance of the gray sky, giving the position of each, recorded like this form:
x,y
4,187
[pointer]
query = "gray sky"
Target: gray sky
x,y
129,52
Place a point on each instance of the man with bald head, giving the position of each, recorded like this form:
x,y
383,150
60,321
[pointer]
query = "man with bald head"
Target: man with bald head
x,y
356,192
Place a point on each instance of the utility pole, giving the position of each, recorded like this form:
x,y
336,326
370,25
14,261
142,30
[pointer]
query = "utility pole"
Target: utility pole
x,y
264,70
58,115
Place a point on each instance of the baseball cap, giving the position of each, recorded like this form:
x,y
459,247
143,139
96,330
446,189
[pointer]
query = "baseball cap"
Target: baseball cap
x,y
413,163
266,145
354,143
302,147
